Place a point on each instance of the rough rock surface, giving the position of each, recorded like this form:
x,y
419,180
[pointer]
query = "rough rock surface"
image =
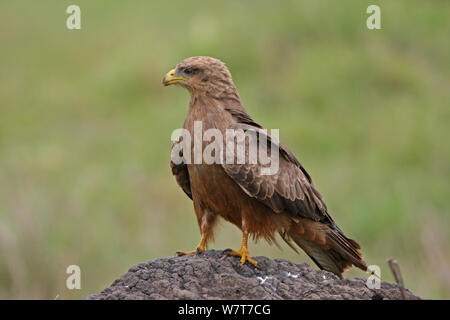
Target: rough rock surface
x,y
212,275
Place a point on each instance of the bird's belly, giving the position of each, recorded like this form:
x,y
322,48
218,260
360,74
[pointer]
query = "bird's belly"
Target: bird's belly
x,y
215,191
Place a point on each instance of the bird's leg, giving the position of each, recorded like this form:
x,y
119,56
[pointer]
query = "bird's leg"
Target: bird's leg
x,y
243,252
206,221
200,248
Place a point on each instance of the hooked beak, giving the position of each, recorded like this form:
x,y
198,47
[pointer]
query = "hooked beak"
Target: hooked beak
x,y
170,78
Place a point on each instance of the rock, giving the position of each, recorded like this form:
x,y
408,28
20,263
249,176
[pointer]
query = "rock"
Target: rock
x,y
213,275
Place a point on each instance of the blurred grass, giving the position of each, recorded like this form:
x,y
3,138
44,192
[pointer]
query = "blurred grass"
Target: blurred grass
x,y
85,130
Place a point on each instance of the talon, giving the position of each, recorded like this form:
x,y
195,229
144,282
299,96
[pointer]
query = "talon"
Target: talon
x,y
243,253
196,251
183,253
251,260
201,247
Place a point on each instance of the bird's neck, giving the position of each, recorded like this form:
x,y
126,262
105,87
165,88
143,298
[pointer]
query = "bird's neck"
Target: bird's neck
x,y
215,100
211,110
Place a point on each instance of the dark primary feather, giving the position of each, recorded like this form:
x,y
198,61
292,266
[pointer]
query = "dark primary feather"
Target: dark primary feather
x,y
181,175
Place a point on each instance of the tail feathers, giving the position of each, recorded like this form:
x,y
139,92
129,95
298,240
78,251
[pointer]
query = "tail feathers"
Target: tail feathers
x,y
327,246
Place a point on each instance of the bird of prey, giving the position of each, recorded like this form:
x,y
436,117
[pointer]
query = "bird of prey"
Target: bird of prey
x,y
260,205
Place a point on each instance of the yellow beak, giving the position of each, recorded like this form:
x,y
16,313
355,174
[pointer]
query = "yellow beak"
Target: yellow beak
x,y
170,78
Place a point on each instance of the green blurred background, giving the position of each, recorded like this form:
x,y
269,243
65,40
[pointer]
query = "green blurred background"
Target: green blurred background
x,y
85,130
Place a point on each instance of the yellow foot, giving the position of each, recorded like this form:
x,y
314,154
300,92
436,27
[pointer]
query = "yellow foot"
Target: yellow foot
x,y
196,251
243,253
200,248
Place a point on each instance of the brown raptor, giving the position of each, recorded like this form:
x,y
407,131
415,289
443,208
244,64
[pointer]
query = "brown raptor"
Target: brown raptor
x,y
261,205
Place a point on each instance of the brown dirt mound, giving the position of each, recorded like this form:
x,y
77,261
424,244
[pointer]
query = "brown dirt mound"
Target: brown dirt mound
x,y
211,275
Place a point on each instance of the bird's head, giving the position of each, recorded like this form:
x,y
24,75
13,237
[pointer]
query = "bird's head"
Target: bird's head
x,y
204,74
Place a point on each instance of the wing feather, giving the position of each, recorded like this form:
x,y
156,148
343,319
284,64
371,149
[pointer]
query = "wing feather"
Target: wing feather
x,y
181,174
288,190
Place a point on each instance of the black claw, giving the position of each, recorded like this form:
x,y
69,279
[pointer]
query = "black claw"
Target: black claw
x,y
226,253
198,251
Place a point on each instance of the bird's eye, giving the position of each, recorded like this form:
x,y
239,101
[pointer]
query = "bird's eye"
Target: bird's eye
x,y
188,71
